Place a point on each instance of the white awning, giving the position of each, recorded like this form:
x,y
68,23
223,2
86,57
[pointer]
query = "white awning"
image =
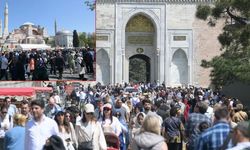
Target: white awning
x,y
33,46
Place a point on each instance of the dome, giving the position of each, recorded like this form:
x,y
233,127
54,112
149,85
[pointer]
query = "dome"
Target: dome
x,y
28,23
64,32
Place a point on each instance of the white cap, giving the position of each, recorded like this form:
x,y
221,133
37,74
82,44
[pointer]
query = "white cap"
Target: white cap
x,y
89,108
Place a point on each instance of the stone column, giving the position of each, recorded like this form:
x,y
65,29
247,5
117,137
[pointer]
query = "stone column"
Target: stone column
x,y
123,65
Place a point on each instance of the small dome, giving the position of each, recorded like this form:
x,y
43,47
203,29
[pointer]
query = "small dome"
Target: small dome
x,y
65,32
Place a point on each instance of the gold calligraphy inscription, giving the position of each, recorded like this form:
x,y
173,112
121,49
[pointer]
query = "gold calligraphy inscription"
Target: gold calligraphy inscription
x,y
140,23
102,38
142,40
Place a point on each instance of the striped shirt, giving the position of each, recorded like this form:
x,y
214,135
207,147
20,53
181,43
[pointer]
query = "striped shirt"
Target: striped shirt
x,y
214,137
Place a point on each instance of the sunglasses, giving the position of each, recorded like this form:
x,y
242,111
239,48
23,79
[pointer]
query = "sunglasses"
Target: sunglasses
x,y
89,113
106,109
4,112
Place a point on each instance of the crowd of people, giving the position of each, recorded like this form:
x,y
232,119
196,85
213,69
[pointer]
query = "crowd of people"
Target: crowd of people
x,y
152,117
38,65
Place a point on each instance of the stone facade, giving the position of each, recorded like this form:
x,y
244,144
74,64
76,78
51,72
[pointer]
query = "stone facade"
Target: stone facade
x,y
177,45
28,33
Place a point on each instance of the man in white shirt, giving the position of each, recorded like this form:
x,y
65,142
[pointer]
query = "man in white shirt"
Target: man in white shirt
x,y
39,128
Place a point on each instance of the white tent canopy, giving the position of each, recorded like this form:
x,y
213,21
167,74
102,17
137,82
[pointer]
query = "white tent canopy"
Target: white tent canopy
x,y
33,46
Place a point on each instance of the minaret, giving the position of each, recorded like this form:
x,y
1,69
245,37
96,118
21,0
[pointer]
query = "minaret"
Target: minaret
x,y
1,29
55,27
6,22
55,39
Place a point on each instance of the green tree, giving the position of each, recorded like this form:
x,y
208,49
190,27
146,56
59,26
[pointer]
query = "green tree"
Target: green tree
x,y
82,39
234,62
50,42
91,4
137,70
75,39
90,41
87,39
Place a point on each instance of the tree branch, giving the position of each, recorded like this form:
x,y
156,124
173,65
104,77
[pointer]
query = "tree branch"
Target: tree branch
x,y
240,20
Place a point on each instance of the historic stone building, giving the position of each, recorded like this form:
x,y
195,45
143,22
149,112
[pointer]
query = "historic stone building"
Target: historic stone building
x,y
64,39
28,33
165,34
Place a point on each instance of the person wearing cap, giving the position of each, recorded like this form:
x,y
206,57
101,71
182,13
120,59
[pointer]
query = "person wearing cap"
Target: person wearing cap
x,y
88,130
241,136
109,122
66,131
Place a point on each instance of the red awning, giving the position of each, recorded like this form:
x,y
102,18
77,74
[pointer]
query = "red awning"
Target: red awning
x,y
43,89
17,91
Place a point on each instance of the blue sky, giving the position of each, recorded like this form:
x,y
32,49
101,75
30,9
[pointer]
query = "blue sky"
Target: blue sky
x,y
70,14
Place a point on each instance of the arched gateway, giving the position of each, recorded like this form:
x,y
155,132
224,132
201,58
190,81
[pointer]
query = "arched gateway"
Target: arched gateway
x,y
140,49
160,39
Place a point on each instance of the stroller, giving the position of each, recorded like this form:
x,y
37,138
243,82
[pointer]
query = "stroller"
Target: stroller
x,y
112,140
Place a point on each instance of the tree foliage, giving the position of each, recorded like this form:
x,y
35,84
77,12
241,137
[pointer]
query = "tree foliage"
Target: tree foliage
x,y
91,4
87,39
137,70
50,42
234,62
75,39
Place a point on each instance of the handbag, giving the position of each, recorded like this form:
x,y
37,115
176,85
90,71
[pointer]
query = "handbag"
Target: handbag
x,y
87,145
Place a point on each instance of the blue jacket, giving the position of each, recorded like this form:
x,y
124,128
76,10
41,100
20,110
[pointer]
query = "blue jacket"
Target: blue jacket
x,y
14,138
